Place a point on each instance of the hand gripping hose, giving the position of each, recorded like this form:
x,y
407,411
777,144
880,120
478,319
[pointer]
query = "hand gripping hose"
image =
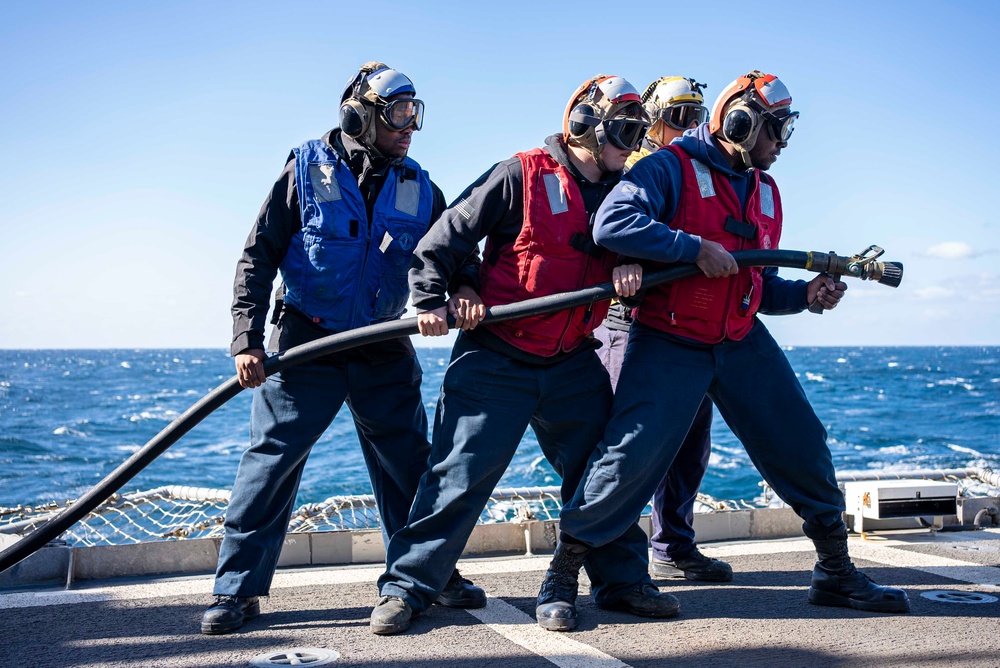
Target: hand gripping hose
x,y
887,273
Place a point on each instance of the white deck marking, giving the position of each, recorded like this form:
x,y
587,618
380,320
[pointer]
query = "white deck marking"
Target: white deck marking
x,y
521,629
756,547
202,585
954,569
884,550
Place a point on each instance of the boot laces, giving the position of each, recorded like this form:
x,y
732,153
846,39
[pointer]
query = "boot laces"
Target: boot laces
x,y
226,599
457,579
560,586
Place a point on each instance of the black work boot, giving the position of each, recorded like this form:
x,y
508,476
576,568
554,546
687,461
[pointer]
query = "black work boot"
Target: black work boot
x,y
647,601
391,615
461,593
555,609
228,613
693,566
836,582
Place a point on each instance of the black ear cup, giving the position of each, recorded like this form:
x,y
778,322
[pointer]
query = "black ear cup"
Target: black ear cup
x,y
738,125
582,118
353,117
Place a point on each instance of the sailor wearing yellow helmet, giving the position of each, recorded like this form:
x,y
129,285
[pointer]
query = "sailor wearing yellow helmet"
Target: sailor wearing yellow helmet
x,y
674,104
702,197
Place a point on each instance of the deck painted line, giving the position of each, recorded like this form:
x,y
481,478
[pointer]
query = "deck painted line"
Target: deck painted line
x,y
283,579
556,647
756,547
947,567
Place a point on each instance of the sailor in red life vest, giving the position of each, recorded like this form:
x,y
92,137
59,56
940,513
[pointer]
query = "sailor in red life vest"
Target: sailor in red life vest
x,y
535,212
675,104
706,195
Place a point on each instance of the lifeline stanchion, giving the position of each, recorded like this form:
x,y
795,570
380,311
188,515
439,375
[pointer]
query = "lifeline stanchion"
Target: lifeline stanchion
x,y
861,266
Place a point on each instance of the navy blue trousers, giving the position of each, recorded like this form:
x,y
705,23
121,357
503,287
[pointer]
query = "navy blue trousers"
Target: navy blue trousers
x,y
663,383
673,501
487,402
289,414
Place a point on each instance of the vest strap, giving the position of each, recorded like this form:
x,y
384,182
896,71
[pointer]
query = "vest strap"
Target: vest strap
x,y
585,245
740,229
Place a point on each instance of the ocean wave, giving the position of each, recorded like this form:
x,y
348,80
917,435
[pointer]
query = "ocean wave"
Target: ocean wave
x,y
9,445
955,382
815,377
961,448
166,415
718,462
69,431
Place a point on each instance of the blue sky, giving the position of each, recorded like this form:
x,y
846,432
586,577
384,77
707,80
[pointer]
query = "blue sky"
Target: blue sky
x,y
138,141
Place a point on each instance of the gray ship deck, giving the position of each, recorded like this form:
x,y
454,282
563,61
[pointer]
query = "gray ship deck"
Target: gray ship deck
x,y
760,619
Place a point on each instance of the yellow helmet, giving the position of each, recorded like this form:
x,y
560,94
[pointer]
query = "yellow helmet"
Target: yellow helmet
x,y
677,101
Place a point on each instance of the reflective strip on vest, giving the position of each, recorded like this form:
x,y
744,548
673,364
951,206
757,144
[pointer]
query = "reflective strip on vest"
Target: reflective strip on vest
x,y
408,196
557,196
704,176
324,180
766,200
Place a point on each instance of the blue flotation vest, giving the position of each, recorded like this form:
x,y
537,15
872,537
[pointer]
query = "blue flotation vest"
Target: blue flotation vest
x,y
340,271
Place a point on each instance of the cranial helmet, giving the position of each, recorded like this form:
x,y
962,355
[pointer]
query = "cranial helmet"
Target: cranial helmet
x,y
676,101
605,109
367,97
753,101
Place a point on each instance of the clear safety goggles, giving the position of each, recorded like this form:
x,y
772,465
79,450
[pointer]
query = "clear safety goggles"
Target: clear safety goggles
x,y
625,133
780,127
683,116
404,112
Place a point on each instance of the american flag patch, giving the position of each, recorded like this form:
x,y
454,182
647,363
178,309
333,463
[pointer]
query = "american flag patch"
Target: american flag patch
x,y
464,208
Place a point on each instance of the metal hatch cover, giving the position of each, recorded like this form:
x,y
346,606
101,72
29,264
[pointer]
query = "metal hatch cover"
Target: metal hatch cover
x,y
296,656
951,596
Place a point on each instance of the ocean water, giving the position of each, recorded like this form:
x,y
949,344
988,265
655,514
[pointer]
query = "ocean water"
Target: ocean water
x,y
69,417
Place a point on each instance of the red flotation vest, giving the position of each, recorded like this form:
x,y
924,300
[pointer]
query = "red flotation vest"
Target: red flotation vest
x,y
553,253
713,309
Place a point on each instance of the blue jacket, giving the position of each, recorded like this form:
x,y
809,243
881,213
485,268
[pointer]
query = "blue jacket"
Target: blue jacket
x,y
634,218
339,271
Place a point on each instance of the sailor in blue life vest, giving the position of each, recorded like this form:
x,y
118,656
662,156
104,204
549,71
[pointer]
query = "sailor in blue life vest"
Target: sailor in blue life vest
x,y
674,104
535,211
340,225
704,196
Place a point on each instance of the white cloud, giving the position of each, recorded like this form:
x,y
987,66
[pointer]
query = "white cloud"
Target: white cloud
x,y
933,292
951,250
935,315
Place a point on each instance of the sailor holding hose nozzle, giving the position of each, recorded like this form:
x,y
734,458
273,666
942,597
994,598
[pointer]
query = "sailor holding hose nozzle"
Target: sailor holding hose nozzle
x,y
696,201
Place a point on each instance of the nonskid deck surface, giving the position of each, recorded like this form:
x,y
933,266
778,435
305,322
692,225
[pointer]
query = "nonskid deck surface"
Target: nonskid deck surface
x,y
762,618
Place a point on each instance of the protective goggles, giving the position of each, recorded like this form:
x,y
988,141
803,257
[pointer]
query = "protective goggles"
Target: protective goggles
x,y
683,116
780,127
404,112
625,133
